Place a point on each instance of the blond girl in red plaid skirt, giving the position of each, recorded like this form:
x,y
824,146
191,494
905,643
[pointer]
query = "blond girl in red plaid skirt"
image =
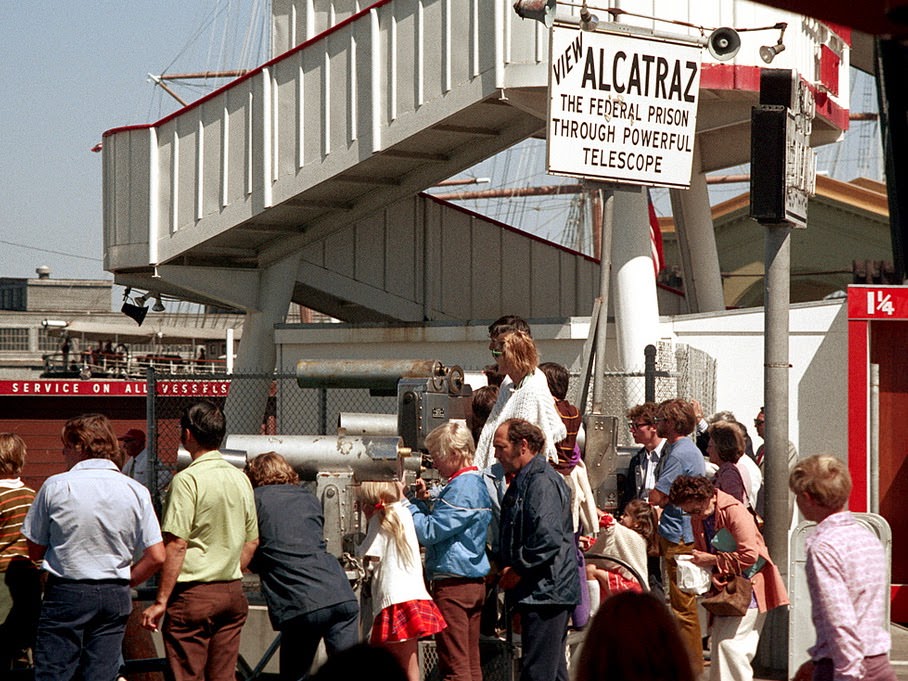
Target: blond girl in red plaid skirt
x,y
405,611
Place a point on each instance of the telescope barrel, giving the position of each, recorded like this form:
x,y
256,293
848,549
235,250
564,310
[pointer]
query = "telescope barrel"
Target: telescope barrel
x,y
367,457
360,373
353,423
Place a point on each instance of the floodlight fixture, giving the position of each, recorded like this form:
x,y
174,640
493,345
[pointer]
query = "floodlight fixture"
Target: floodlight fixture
x,y
588,20
770,52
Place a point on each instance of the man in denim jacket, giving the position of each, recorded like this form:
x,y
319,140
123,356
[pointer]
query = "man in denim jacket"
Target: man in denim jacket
x,y
539,573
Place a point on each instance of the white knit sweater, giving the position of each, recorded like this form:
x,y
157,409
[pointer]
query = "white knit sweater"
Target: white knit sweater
x,y
531,401
625,544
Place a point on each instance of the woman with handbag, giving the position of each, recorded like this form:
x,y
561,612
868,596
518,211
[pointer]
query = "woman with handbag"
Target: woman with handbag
x,y
746,583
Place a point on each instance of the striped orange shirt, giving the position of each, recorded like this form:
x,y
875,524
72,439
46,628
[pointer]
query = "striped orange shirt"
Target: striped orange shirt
x,y
14,504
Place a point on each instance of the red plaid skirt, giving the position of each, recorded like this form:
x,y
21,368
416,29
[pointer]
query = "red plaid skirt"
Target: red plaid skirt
x,y
618,583
411,619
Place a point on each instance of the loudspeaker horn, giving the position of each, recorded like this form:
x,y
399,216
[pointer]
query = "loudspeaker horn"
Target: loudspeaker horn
x,y
540,10
134,312
723,43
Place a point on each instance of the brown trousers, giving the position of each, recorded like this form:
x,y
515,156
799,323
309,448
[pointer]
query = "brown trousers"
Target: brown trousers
x,y
460,601
202,630
684,606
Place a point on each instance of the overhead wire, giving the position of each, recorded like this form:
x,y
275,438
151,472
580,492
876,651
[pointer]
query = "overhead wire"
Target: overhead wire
x,y
49,250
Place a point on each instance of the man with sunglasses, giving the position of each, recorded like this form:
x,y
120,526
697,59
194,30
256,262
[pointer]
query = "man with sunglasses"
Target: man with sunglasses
x,y
641,473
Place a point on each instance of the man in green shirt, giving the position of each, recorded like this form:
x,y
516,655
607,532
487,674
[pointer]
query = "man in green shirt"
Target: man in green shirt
x,y
210,533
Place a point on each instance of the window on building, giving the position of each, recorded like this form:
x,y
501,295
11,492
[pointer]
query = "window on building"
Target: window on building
x,y
14,339
12,298
49,342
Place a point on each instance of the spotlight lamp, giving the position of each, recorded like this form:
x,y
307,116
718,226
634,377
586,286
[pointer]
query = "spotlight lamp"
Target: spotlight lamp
x,y
134,312
588,20
770,52
130,309
542,11
158,305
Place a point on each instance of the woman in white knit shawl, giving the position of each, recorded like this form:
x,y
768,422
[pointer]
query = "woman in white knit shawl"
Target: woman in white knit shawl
x,y
526,397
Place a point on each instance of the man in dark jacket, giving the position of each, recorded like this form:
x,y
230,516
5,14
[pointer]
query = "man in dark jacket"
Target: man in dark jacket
x,y
539,566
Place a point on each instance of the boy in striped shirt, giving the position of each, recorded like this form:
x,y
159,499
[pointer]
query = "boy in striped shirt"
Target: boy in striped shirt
x,y
22,577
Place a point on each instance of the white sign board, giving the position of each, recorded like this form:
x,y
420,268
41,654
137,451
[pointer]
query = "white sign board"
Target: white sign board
x,y
622,107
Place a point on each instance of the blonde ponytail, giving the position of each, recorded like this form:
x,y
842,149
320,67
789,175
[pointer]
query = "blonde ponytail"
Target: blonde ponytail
x,y
380,496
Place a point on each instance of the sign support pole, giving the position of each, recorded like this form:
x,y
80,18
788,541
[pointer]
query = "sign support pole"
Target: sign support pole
x,y
777,289
607,203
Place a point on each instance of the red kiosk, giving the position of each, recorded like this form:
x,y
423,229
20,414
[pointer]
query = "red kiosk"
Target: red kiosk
x,y
878,334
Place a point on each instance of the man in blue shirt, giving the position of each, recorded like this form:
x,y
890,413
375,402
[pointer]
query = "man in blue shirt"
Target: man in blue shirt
x,y
85,526
675,421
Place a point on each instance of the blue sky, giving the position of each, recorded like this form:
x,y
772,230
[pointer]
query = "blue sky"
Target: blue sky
x,y
70,71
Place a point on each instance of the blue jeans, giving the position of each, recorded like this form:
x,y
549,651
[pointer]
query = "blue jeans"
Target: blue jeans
x,y
338,625
543,638
80,630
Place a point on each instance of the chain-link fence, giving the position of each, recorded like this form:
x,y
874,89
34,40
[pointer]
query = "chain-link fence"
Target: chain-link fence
x,y
678,371
288,410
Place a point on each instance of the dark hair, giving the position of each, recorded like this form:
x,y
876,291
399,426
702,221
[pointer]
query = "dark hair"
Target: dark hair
x,y
687,488
481,405
679,414
634,637
93,436
508,322
646,521
270,468
728,439
558,379
645,411
206,422
519,430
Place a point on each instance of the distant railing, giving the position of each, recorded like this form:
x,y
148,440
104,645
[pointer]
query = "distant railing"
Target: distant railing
x,y
121,364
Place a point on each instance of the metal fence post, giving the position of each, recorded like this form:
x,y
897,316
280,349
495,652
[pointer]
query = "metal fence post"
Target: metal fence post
x,y
649,373
151,438
323,411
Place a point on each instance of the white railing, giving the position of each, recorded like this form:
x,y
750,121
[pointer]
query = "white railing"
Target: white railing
x,y
376,78
366,84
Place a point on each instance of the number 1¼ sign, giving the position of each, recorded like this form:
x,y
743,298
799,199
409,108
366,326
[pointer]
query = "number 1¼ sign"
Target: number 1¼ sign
x,y
880,302
877,302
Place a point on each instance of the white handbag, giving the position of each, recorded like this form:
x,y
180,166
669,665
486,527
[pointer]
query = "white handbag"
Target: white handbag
x,y
692,579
